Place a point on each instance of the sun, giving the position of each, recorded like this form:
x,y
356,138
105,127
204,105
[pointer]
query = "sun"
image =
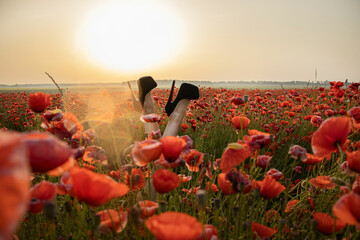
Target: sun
x,y
130,36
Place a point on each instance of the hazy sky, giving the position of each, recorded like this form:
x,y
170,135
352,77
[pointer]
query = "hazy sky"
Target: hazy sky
x,y
110,41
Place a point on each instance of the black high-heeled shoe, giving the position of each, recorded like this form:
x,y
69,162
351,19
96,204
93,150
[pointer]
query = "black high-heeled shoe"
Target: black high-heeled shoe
x,y
186,91
145,85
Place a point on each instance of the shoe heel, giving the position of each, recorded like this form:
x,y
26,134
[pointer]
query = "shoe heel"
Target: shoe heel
x,y
168,105
145,85
186,91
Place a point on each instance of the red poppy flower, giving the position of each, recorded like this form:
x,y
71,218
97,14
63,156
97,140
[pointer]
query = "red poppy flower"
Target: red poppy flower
x,y
263,161
276,174
46,152
326,223
112,219
298,152
184,127
240,122
148,208
347,209
172,147
253,132
225,185
239,181
164,180
209,233
92,188
355,114
261,230
146,151
332,131
257,142
237,100
353,159
193,159
137,179
234,155
175,226
40,194
183,178
68,126
312,159
14,182
322,182
270,188
39,101
94,154
152,117
290,205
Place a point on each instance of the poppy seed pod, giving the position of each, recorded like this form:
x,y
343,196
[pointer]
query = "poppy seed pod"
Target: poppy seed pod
x,y
201,198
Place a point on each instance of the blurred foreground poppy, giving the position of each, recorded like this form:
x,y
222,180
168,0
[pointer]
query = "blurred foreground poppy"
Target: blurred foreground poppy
x,y
175,226
14,182
92,188
326,223
46,152
353,159
347,209
41,193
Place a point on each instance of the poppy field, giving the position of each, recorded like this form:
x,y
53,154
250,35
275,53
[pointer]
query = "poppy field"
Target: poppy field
x,y
246,164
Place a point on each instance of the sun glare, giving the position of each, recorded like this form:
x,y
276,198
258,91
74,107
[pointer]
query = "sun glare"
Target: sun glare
x,y
130,36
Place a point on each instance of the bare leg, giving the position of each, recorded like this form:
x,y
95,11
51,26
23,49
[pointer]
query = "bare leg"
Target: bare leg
x,y
176,118
148,109
136,102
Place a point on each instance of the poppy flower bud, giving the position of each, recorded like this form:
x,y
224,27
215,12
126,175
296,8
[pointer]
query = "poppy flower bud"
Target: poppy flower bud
x,y
182,163
246,226
135,213
50,210
236,211
163,206
217,203
287,181
298,152
201,198
136,178
128,169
